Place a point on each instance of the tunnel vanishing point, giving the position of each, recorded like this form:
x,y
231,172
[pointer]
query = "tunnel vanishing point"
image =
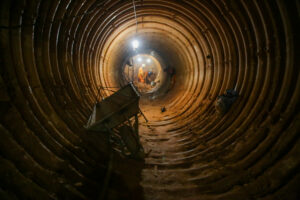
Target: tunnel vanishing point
x,y
56,54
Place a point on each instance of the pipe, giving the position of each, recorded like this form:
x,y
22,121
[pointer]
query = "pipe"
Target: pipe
x,y
56,54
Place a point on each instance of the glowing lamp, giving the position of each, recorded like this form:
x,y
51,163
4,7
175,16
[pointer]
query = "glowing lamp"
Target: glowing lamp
x,y
135,44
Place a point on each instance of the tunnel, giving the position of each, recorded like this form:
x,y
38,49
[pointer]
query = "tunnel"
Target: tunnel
x,y
55,55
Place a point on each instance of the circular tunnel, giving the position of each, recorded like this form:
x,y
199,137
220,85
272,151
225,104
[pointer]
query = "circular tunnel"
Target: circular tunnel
x,y
55,55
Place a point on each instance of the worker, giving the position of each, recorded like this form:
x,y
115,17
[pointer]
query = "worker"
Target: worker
x,y
141,76
149,77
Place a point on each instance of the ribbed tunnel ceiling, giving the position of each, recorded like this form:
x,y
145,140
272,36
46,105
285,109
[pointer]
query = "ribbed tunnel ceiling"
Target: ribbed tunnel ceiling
x,y
55,55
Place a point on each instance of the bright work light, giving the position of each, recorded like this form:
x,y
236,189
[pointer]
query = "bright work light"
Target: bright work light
x,y
135,44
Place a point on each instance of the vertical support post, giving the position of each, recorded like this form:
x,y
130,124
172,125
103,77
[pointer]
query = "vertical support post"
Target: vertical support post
x,y
109,168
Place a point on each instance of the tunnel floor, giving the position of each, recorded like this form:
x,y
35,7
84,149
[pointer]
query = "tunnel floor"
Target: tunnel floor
x,y
171,170
159,179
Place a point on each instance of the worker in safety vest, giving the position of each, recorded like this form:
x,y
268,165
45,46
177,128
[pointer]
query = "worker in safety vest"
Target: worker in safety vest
x,y
141,75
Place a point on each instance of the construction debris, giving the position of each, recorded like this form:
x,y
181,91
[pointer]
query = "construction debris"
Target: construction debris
x,y
224,102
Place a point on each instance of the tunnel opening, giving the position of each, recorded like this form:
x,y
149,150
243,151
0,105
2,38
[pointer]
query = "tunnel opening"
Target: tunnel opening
x,y
145,71
165,52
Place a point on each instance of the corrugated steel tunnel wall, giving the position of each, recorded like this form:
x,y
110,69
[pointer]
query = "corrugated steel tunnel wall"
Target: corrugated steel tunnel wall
x,y
54,55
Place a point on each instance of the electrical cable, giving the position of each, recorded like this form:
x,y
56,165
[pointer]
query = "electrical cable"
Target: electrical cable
x,y
136,22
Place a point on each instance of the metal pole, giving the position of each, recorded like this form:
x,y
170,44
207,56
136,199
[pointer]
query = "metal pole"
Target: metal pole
x,y
132,71
109,168
136,22
144,116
